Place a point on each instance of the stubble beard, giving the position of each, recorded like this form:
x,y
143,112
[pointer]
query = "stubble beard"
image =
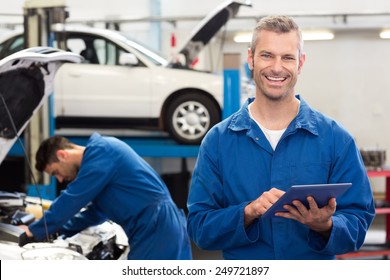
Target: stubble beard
x,y
275,94
73,173
273,97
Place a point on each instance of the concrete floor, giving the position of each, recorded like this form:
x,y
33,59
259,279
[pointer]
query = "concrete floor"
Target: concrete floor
x,y
375,235
199,254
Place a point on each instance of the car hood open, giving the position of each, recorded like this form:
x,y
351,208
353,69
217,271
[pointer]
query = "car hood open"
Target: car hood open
x,y
26,80
208,27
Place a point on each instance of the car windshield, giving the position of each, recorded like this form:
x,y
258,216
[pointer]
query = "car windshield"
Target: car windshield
x,y
152,55
16,44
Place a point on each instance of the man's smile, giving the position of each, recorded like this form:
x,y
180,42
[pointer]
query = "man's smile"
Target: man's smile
x,y
275,78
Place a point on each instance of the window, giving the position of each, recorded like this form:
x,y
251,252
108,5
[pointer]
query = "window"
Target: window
x,y
11,46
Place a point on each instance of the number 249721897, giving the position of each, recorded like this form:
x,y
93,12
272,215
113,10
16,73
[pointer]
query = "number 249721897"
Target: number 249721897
x,y
241,270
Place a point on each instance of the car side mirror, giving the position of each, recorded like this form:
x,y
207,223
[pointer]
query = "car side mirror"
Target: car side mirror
x,y
128,59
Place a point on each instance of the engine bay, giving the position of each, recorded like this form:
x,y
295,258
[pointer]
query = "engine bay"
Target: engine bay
x,y
106,241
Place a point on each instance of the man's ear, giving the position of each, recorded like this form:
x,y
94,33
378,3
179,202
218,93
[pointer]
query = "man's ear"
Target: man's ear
x,y
302,60
61,154
250,59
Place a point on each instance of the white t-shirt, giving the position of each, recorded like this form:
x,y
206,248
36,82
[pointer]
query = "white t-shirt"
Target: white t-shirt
x,y
273,136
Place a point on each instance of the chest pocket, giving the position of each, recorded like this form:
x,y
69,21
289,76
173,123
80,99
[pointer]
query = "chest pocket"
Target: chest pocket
x,y
309,173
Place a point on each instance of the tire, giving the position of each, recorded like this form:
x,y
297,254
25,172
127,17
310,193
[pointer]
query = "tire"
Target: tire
x,y
189,116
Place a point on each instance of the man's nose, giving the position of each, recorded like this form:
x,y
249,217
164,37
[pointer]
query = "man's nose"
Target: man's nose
x,y
277,66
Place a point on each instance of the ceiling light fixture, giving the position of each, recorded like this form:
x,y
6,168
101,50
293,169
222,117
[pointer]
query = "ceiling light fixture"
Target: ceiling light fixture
x,y
243,37
385,34
308,35
315,35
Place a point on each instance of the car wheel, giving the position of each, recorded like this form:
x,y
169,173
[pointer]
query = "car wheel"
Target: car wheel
x,y
190,116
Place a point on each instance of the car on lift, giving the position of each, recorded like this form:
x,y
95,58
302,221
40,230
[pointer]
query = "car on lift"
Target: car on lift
x,y
122,84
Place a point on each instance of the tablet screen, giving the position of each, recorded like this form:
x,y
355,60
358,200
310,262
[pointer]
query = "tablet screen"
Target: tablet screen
x,y
321,193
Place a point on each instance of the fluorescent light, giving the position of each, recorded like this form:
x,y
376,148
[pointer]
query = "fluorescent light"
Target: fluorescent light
x,y
308,35
385,34
314,35
244,37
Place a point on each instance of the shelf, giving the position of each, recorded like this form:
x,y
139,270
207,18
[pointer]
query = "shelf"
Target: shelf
x,y
378,173
381,211
362,254
368,251
385,210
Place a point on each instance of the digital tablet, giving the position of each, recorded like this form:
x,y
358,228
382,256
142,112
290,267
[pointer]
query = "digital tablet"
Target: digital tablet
x,y
321,193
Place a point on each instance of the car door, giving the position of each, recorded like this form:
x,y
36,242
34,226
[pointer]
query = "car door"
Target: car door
x,y
87,89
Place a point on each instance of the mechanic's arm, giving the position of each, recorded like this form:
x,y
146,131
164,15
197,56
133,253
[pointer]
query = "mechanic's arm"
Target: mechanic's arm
x,y
91,179
82,220
211,224
88,217
259,206
355,208
317,219
27,230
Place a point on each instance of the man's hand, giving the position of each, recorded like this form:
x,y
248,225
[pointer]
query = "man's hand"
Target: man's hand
x,y
317,219
257,207
26,229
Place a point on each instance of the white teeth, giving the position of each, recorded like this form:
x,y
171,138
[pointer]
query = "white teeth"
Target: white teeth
x,y
275,78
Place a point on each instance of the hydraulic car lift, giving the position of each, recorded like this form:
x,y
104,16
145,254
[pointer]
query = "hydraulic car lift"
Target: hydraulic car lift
x,y
39,15
153,147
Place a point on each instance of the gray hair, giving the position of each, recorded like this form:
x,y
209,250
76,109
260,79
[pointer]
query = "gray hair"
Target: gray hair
x,y
278,24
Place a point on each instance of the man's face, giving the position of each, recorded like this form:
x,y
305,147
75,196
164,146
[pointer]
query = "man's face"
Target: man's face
x,y
276,64
63,170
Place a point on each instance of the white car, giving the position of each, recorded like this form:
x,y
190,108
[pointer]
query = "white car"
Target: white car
x,y
122,84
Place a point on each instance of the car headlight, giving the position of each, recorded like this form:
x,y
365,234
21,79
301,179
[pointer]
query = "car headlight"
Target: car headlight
x,y
52,254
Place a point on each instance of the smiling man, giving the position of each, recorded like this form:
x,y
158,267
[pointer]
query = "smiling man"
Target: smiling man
x,y
276,140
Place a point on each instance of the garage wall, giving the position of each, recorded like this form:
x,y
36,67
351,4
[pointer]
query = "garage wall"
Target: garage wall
x,y
346,78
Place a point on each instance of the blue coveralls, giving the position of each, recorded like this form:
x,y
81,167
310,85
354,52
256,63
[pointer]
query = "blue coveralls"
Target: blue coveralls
x,y
119,185
236,164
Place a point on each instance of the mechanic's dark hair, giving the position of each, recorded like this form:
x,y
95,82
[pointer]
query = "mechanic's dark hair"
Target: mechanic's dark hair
x,y
47,151
278,24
